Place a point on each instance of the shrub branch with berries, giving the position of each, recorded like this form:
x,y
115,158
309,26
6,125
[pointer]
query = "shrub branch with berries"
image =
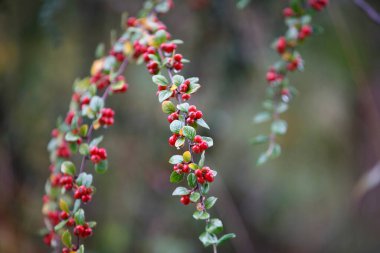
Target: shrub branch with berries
x,y
69,188
298,17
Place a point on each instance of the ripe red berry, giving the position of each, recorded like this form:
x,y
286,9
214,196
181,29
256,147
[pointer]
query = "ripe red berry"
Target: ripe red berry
x,y
197,139
185,199
177,57
281,45
198,173
172,140
64,215
209,177
192,108
200,180
203,145
186,168
186,97
288,12
271,76
196,149
198,114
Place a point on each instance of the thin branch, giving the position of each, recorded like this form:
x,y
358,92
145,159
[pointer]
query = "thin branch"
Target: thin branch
x,y
371,12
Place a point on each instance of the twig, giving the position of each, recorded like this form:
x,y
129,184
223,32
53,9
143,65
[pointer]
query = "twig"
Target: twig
x,y
371,12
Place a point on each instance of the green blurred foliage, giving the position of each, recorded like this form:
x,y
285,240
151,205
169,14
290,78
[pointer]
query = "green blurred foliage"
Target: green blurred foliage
x,y
301,202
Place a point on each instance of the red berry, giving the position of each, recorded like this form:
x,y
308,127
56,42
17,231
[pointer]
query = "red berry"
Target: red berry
x,y
172,140
192,108
64,215
203,145
185,200
186,168
288,12
271,76
177,57
198,173
196,149
209,177
70,222
200,180
197,139
198,114
281,45
190,121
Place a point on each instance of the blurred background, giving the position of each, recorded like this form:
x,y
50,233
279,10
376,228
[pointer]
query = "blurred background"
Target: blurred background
x,y
299,203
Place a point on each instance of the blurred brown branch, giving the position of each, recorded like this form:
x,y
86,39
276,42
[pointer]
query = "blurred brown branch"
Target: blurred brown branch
x,y
371,12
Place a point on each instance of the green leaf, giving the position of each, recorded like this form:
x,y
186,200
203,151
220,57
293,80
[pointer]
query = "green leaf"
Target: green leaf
x,y
193,88
76,205
179,142
84,179
60,225
191,180
101,167
160,80
260,139
96,103
168,107
175,177
202,123
279,127
81,249
225,238
202,160
175,159
180,191
262,117
208,140
66,239
205,188
176,41
276,151
214,226
95,142
178,80
208,239
263,158
164,94
194,196
91,224
193,79
71,137
184,107
79,217
160,37
176,126
68,167
84,149
210,202
189,132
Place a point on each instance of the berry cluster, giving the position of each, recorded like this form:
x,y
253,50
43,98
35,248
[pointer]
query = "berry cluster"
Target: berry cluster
x,y
181,168
83,193
298,18
106,117
83,230
101,80
98,154
67,182
199,145
204,175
